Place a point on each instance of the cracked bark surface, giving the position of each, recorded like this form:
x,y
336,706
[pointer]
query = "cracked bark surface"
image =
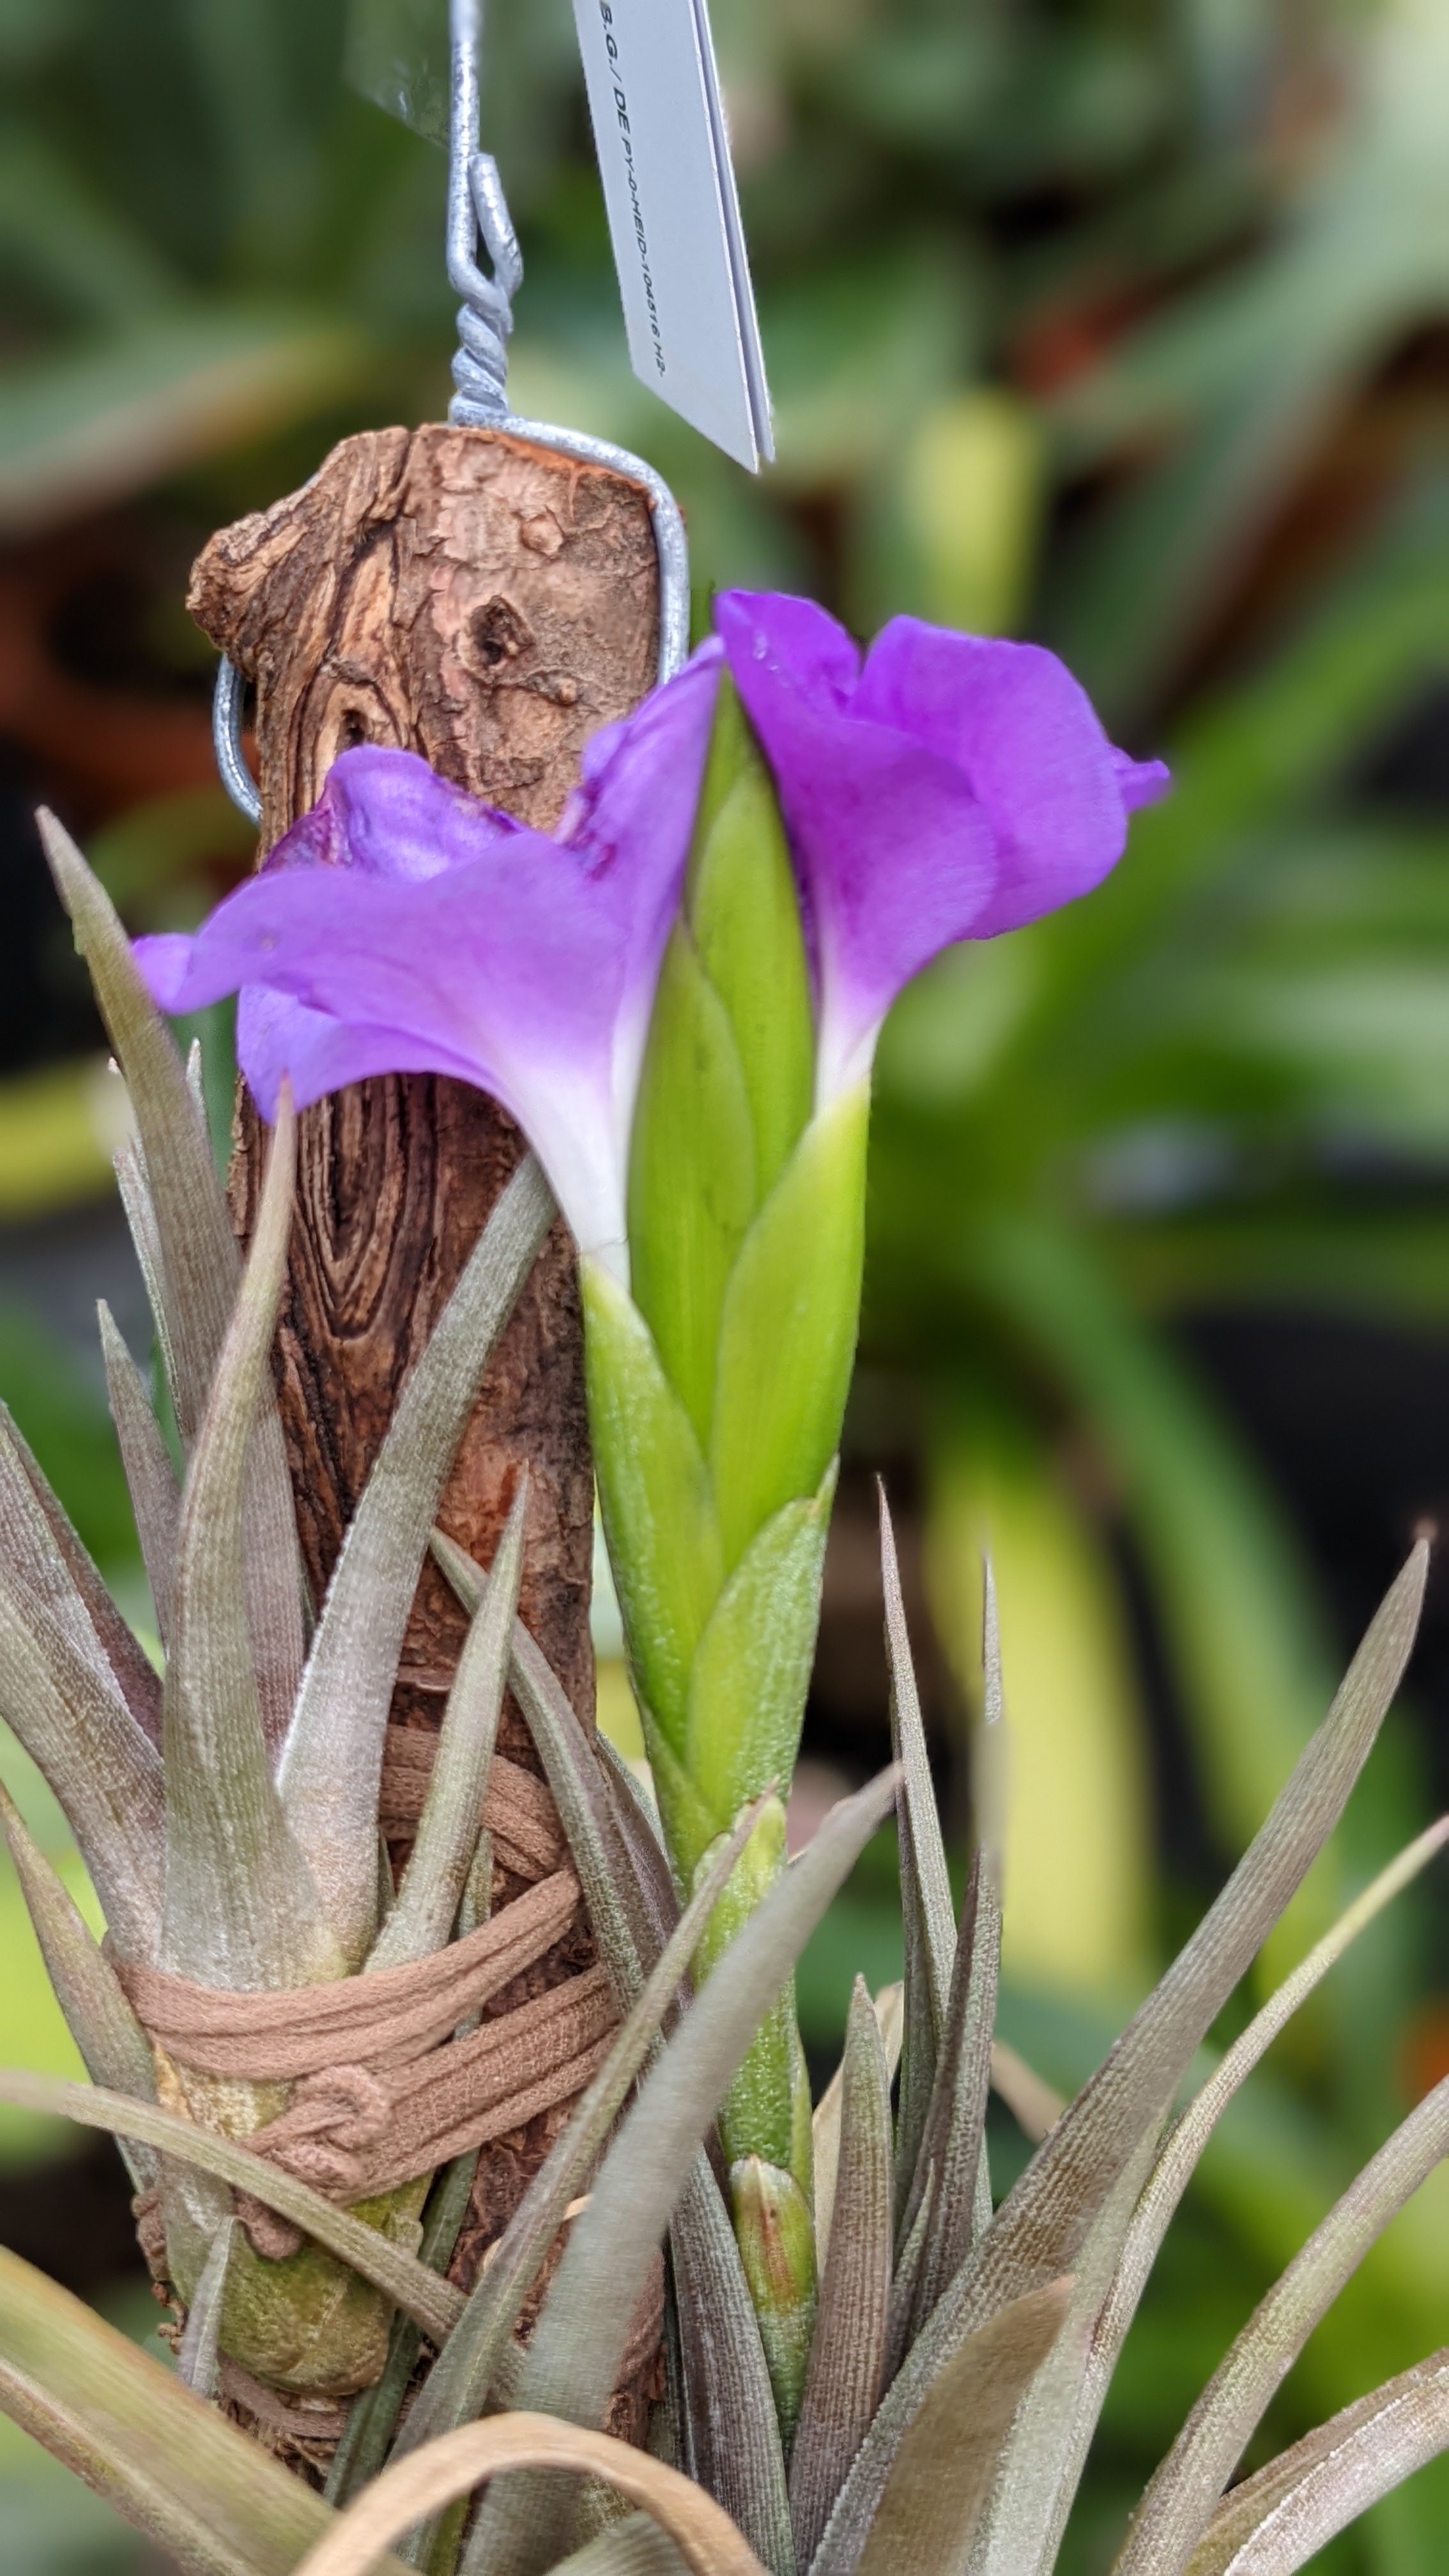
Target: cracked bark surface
x,y
487,603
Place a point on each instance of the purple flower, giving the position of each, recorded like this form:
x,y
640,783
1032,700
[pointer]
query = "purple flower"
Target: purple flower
x,y
404,927
948,787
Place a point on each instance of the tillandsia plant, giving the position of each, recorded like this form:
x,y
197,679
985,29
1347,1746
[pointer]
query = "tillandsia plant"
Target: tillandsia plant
x,y
679,997
289,2045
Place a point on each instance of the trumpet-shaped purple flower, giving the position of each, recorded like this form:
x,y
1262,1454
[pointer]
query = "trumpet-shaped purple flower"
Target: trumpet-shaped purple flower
x,y
403,927
948,787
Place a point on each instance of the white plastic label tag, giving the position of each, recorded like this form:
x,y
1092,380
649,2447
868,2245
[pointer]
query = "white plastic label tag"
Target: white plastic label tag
x,y
669,187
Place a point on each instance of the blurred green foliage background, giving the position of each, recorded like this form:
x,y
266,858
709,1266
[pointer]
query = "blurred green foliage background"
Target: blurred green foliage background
x,y
1123,323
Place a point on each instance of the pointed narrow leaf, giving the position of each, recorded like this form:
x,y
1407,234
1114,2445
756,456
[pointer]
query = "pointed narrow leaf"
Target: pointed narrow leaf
x,y
1048,2216
61,1696
1177,2162
130,1169
1022,2524
582,2331
907,2279
174,2467
954,2142
197,2354
1179,2503
418,2485
847,2358
331,1764
133,1672
150,1476
825,2126
638,1822
615,1907
943,2470
435,2304
734,2432
1272,2524
461,2378
97,2010
1168,2179
201,1266
447,1835
241,1909
195,1262
928,1914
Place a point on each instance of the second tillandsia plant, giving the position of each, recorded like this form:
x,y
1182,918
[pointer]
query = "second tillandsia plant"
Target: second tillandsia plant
x,y
679,997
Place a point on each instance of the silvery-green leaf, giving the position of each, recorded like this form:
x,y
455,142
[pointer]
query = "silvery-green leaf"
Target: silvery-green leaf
x,y
131,1181
191,1263
434,2304
1275,2522
459,2383
928,1914
137,1681
988,1802
331,1763
150,1476
637,1820
1045,2221
241,1909
1180,2501
581,2333
943,2469
1019,2533
730,2409
953,2145
615,1905
200,1265
907,2279
97,2010
447,1835
208,2497
825,2125
61,1696
1175,2164
847,2357
197,2355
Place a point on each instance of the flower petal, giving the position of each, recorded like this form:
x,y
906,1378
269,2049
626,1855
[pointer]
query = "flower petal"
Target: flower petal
x,y
1019,728
896,854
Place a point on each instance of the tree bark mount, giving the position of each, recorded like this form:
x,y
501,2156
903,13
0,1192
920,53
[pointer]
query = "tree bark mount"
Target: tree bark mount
x,y
489,604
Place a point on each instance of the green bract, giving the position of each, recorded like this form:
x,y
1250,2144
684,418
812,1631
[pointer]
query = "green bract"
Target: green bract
x,y
716,1391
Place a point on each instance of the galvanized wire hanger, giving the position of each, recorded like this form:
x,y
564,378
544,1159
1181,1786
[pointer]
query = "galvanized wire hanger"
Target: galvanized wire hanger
x,y
478,217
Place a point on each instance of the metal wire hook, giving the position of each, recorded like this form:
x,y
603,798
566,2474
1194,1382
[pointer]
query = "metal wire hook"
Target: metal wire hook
x,y
478,212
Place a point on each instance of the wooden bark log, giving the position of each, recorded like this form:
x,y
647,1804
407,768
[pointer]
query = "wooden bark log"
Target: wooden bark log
x,y
489,604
